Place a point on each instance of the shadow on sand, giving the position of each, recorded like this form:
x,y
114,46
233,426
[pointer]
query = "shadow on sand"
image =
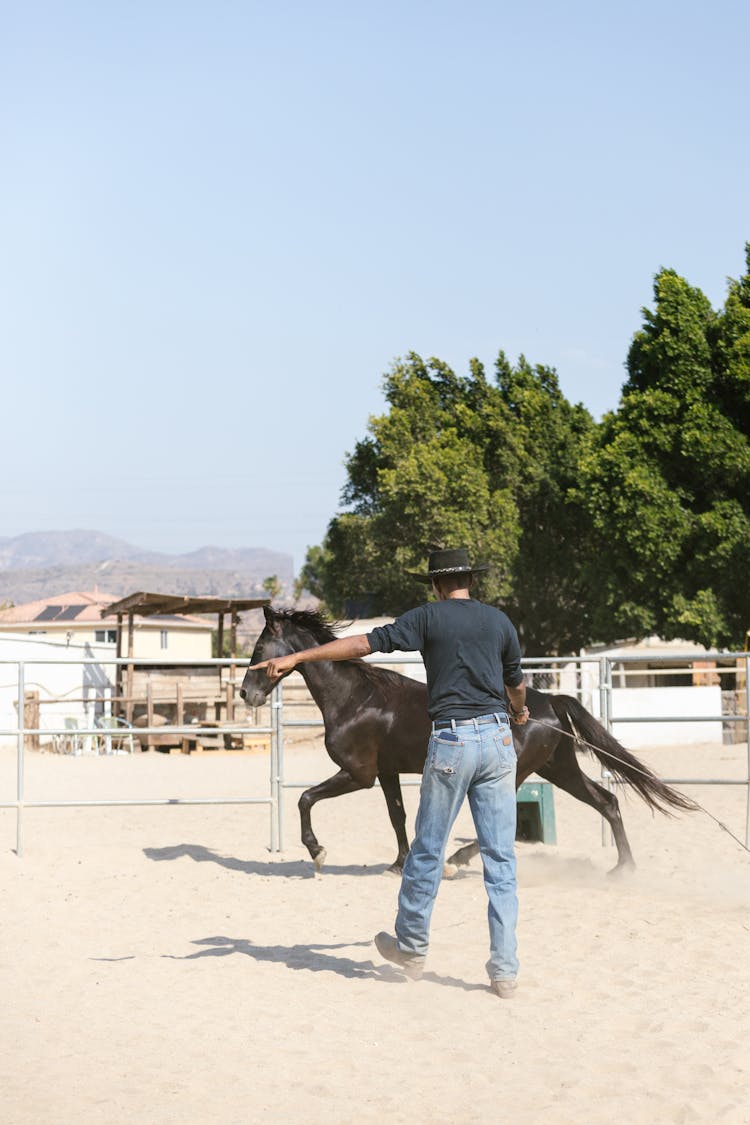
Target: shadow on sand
x,y
293,869
313,958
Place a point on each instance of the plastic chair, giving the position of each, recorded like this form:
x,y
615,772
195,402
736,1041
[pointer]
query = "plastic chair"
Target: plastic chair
x,y
117,736
72,741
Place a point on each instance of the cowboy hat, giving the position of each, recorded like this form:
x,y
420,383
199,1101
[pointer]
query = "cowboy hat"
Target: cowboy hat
x,y
453,561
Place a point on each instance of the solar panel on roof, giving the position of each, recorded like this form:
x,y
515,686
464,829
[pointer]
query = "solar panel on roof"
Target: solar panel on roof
x,y
49,613
70,612
59,612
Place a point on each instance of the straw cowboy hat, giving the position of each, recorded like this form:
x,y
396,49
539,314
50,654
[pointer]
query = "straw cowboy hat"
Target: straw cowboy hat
x,y
453,561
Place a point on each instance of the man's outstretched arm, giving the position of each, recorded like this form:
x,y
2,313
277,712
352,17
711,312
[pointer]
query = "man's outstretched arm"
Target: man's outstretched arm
x,y
343,648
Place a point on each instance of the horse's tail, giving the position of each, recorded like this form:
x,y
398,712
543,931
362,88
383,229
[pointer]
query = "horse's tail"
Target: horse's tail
x,y
620,762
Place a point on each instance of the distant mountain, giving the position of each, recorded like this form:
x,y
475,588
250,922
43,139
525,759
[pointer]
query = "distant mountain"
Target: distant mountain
x,y
64,548
41,563
238,558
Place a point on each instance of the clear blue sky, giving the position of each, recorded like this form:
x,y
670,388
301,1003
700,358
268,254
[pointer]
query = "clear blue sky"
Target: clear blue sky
x,y
221,222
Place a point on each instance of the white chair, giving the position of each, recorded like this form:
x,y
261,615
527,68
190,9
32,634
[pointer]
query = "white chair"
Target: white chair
x,y
72,741
117,734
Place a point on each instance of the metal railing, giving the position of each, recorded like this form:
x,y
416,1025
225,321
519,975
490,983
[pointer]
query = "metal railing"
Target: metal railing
x,y
673,661
21,732
281,722
553,665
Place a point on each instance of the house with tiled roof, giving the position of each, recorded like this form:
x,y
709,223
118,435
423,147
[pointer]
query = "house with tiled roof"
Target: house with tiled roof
x,y
74,619
66,648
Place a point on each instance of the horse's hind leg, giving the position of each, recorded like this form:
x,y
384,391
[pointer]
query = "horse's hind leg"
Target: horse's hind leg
x,y
335,786
391,786
564,772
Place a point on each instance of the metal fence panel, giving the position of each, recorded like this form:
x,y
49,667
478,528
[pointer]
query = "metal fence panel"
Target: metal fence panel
x,y
553,667
22,731
536,666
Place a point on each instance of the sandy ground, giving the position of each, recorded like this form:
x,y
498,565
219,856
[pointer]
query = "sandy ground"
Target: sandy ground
x,y
160,965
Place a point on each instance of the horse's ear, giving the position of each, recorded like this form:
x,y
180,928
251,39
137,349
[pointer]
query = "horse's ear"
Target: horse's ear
x,y
272,619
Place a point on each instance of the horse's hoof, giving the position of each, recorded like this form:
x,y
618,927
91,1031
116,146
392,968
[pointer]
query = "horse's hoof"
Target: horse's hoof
x,y
395,869
450,870
320,859
627,867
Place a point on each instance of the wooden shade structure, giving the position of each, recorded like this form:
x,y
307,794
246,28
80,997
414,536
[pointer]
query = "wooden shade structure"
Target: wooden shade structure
x,y
147,605
144,604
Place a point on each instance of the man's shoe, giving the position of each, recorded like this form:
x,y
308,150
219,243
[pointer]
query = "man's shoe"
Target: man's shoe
x,y
410,963
506,989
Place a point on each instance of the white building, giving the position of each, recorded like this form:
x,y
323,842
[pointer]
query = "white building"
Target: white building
x,y
56,635
652,680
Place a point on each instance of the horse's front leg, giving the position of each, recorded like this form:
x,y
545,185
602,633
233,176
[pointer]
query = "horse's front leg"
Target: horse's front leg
x,y
391,786
335,786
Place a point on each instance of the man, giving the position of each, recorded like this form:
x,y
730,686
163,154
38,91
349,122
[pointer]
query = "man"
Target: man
x,y
473,660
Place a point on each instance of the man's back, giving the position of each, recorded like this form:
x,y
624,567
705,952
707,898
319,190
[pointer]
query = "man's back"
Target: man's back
x,y
470,651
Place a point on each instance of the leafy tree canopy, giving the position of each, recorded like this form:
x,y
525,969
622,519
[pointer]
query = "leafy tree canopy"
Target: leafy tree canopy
x,y
638,524
667,482
460,460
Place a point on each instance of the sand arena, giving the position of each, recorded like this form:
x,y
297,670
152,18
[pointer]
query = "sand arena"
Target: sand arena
x,y
160,965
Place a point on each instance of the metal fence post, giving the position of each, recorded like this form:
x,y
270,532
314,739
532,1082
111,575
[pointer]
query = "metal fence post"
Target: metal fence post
x,y
603,691
20,756
273,792
278,705
747,733
605,697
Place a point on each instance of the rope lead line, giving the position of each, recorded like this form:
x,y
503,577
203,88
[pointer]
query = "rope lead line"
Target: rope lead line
x,y
598,750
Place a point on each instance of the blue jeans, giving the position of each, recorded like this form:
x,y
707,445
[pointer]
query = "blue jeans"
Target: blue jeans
x,y
478,762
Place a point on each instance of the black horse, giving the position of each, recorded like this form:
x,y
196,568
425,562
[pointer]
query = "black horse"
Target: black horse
x,y
376,726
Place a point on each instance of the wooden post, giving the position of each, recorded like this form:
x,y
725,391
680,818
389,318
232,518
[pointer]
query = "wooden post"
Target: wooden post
x,y
129,700
184,744
31,717
230,701
150,713
118,669
232,668
220,670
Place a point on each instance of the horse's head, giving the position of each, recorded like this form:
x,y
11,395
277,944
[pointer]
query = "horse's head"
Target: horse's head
x,y
286,631
256,685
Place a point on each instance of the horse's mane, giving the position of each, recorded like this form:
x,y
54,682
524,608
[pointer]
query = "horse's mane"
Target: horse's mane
x,y
310,620
322,631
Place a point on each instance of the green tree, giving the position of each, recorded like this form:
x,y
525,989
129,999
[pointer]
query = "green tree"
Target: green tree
x,y
417,479
640,524
550,599
459,460
667,483
272,586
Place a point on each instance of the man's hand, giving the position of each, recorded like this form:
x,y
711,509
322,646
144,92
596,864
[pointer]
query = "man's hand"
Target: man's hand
x,y
278,666
519,712
519,717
